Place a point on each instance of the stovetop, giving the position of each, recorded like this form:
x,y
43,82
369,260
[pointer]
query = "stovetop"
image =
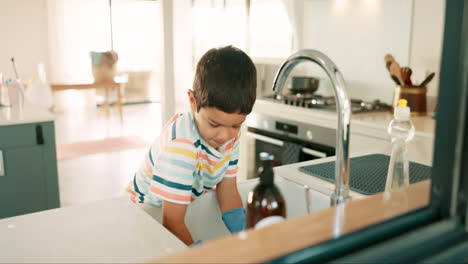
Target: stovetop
x,y
316,101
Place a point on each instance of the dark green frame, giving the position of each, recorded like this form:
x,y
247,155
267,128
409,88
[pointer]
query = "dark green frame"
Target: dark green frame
x,y
449,141
437,233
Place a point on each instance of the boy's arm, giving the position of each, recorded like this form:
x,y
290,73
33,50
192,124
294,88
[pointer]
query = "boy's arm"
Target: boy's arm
x,y
228,195
173,218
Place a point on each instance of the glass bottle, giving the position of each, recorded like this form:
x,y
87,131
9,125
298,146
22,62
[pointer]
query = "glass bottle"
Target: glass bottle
x,y
401,130
15,93
4,98
265,203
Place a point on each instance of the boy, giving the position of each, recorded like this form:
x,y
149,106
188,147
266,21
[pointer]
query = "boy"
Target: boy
x,y
198,151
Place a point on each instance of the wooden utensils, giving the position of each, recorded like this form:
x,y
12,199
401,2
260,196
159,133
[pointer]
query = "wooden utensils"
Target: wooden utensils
x,y
405,89
427,80
395,79
394,68
406,76
388,61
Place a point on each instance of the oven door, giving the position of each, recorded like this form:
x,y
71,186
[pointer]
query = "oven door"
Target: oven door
x,y
265,141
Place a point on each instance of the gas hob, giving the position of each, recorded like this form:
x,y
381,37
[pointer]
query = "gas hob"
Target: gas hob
x,y
328,103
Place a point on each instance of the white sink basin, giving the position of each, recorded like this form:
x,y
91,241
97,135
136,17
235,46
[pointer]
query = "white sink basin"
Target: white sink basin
x,y
203,216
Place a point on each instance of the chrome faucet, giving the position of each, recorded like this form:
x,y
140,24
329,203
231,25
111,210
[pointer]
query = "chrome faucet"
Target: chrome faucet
x,y
343,106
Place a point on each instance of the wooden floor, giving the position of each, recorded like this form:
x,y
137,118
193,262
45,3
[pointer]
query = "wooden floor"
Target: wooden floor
x,y
104,175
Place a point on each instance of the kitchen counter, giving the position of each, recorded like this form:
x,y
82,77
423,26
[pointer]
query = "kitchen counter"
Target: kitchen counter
x,y
371,124
420,151
256,246
368,133
29,114
107,231
365,127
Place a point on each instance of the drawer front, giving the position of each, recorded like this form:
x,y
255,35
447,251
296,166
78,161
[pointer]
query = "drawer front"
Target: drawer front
x,y
22,135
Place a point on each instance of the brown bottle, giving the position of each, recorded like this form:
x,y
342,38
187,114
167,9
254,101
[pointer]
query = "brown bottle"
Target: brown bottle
x,y
265,204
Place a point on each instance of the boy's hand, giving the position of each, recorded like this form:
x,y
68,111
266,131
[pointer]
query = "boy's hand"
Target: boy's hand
x,y
198,242
231,205
173,218
234,220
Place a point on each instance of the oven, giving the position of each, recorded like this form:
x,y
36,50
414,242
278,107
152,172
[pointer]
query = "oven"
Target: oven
x,y
289,141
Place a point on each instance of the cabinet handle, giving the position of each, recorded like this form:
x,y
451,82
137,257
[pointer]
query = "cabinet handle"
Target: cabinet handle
x,y
2,166
39,136
280,143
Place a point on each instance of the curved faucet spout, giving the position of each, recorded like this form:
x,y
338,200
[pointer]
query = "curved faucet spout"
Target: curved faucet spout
x,y
343,107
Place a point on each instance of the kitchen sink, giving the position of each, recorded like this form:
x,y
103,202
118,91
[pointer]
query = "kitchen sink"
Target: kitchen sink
x,y
203,216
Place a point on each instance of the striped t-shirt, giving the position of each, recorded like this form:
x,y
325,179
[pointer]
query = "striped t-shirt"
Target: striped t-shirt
x,y
180,166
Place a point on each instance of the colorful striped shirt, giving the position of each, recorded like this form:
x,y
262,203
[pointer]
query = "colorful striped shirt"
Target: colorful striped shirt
x,y
180,165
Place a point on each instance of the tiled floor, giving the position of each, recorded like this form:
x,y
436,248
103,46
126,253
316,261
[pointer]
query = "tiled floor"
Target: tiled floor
x,y
100,176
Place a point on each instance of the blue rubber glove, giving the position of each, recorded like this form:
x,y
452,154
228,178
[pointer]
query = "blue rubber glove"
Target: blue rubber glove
x,y
198,242
234,220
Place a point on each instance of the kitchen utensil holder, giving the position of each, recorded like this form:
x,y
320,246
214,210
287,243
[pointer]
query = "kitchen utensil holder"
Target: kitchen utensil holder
x,y
416,97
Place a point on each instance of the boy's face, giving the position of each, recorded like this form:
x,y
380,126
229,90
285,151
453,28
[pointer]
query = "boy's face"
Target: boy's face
x,y
215,126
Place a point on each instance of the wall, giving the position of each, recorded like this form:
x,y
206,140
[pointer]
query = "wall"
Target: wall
x,y
24,36
356,35
426,40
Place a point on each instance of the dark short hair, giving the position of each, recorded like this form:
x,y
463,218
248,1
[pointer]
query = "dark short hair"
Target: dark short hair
x,y
226,79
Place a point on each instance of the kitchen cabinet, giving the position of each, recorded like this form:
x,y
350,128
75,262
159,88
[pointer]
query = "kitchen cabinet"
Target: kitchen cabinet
x,y
29,181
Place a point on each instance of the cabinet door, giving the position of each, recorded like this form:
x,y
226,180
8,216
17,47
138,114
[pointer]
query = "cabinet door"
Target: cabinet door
x,y
22,188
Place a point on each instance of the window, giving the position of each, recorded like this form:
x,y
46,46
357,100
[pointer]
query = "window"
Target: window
x,y
270,29
137,33
218,23
259,27
77,27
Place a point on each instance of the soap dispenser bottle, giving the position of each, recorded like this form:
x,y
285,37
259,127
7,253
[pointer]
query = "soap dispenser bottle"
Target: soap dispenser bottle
x,y
401,131
265,203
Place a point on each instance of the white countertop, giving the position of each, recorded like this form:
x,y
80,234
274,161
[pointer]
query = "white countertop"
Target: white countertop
x,y
371,124
110,231
29,114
